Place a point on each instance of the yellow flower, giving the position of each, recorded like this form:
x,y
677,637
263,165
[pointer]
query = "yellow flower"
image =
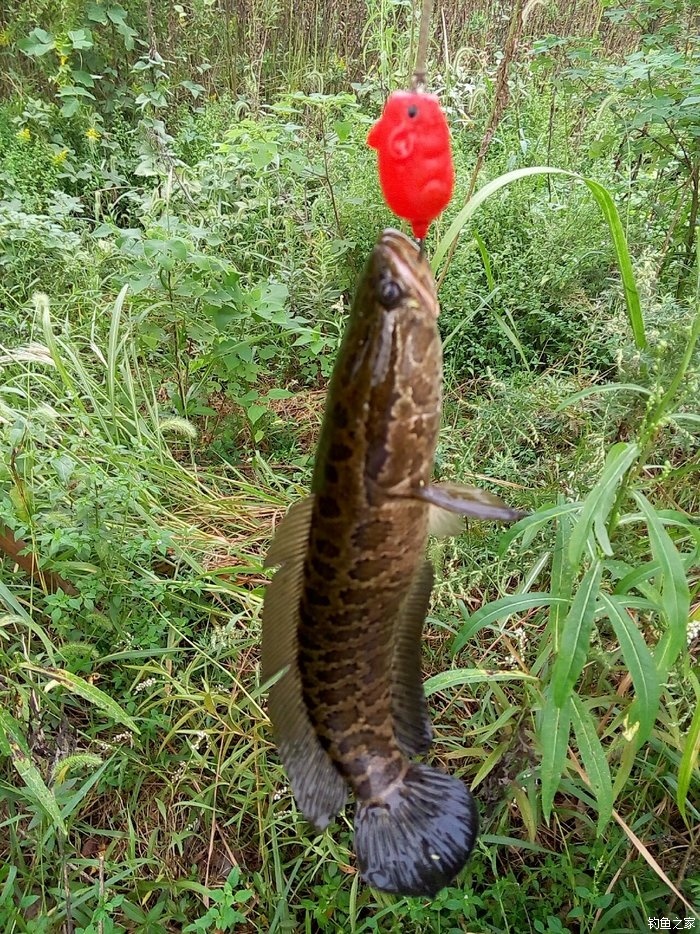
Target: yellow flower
x,y
60,157
92,134
24,134
4,37
62,60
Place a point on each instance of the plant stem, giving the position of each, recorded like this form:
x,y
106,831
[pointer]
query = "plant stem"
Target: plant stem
x,y
419,72
656,413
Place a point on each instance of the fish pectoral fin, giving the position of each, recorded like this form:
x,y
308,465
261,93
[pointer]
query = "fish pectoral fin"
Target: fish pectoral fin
x,y
319,789
412,726
292,534
449,500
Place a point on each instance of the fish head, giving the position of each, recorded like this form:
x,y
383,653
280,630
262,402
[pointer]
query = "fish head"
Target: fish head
x,y
396,364
401,277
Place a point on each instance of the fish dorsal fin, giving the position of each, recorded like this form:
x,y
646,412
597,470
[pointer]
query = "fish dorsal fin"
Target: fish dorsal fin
x,y
292,534
319,789
412,725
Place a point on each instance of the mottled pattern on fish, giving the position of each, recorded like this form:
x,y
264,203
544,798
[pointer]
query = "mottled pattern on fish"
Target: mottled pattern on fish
x,y
366,538
344,613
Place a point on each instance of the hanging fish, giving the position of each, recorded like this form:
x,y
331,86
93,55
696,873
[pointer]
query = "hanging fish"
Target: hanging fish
x,y
343,616
415,159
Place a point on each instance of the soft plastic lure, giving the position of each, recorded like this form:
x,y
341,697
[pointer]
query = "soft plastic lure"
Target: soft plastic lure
x,y
415,158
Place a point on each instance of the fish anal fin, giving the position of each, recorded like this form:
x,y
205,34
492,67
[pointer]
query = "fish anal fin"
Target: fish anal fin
x,y
319,789
412,726
415,839
462,500
292,534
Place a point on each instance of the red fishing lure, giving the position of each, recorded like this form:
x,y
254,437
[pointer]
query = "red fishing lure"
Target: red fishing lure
x,y
415,160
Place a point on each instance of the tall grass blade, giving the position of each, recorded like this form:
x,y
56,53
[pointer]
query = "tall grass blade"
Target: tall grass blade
x,y
691,751
12,742
530,525
498,610
675,591
459,676
88,692
561,580
639,661
594,760
576,635
605,203
555,724
599,502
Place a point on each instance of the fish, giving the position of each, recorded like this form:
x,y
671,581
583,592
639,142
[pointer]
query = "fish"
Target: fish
x,y
343,615
416,171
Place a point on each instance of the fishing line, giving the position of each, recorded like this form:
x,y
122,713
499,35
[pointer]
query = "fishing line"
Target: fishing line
x,y
419,72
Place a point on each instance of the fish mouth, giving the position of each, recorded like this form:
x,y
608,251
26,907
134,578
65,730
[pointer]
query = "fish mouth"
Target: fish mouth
x,y
399,242
407,265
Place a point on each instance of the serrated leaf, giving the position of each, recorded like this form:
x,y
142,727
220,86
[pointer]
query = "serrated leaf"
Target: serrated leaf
x,y
555,724
88,692
594,760
497,611
597,505
675,592
576,635
640,663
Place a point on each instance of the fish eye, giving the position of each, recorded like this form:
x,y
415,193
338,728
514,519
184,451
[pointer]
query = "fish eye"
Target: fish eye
x,y
412,111
389,292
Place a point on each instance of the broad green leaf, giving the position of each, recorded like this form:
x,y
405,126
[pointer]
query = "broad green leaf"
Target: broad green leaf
x,y
81,38
675,592
576,635
597,505
88,692
497,611
555,723
691,751
13,739
37,43
594,760
639,661
459,676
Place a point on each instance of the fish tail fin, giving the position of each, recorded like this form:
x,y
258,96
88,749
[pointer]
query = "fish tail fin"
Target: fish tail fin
x,y
416,838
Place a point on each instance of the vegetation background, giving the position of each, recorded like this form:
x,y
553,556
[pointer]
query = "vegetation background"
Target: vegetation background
x,y
186,201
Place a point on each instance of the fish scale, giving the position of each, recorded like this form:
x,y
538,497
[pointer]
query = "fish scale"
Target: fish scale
x,y
343,616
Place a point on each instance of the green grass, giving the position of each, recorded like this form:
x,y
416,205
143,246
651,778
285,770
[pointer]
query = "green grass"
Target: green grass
x,y
159,407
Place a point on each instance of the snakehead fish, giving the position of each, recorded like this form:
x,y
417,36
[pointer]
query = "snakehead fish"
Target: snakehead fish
x,y
343,615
